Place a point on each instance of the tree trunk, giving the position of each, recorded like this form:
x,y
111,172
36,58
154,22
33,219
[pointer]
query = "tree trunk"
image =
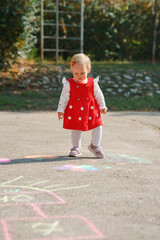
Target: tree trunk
x,y
154,32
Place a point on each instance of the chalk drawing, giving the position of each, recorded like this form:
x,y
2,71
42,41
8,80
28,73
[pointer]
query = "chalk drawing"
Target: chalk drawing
x,y
5,160
50,228
77,168
68,188
108,167
37,183
9,190
40,156
42,227
31,186
17,198
121,158
33,194
35,189
117,159
47,229
28,196
11,181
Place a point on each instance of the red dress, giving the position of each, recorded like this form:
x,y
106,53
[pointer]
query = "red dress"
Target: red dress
x,y
82,111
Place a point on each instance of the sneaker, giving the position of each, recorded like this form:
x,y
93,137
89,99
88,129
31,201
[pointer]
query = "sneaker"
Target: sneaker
x,y
97,150
75,152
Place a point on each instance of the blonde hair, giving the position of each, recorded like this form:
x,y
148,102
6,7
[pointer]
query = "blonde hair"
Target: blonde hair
x,y
81,58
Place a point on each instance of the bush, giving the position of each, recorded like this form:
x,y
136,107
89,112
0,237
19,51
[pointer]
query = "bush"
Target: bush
x,y
11,27
31,31
100,32
113,30
119,32
136,30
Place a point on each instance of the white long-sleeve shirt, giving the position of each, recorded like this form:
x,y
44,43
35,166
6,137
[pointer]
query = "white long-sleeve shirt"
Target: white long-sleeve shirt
x,y
65,95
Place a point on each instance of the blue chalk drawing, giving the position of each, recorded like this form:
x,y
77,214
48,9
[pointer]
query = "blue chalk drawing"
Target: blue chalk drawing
x,y
116,158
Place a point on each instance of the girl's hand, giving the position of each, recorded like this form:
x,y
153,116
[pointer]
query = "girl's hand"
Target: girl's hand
x,y
60,115
103,110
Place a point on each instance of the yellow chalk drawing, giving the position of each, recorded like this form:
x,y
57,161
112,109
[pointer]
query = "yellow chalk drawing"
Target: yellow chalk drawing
x,y
44,189
46,229
17,198
4,199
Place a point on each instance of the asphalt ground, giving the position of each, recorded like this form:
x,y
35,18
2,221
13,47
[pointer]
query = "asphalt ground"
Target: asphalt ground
x,y
46,195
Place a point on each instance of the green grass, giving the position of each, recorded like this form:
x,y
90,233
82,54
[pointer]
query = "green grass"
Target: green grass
x,y
47,101
141,92
28,101
137,104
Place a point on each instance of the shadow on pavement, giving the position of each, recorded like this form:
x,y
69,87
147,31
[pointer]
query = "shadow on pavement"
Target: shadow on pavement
x,y
44,159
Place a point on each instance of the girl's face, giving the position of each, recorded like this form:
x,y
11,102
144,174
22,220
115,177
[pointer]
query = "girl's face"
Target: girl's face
x,y
80,72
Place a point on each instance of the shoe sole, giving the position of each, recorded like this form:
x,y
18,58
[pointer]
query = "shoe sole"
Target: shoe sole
x,y
90,149
70,155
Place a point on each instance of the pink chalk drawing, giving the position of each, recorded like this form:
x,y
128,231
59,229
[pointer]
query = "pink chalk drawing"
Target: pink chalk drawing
x,y
118,159
40,226
77,168
50,228
5,160
28,195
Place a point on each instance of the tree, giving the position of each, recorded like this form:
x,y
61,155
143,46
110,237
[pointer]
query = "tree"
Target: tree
x,y
154,32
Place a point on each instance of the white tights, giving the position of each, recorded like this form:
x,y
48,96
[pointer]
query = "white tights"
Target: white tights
x,y
96,137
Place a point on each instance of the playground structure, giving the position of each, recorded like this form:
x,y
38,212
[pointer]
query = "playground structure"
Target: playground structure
x,y
58,10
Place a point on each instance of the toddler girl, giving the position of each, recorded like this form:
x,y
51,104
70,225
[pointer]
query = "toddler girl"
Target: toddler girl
x,y
81,104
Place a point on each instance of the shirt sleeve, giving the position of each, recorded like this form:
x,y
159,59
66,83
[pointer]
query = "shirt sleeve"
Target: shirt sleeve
x,y
99,95
65,95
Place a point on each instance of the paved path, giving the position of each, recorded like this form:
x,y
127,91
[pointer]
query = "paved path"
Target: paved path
x,y
45,195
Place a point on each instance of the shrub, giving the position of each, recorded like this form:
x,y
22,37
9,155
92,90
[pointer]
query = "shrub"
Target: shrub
x,y
31,31
117,30
11,27
120,31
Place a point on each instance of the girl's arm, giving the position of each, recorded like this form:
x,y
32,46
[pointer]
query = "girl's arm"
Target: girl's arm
x,y
99,97
64,98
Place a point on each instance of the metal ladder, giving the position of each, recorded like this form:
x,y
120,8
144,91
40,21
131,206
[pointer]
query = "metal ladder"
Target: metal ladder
x,y
57,25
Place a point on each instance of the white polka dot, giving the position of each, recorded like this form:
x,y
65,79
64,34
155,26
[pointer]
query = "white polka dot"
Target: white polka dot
x,y
90,118
69,117
70,106
79,118
97,114
82,108
91,107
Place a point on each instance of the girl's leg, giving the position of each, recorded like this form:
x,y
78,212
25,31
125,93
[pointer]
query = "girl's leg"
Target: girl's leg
x,y
95,147
76,138
97,136
76,143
